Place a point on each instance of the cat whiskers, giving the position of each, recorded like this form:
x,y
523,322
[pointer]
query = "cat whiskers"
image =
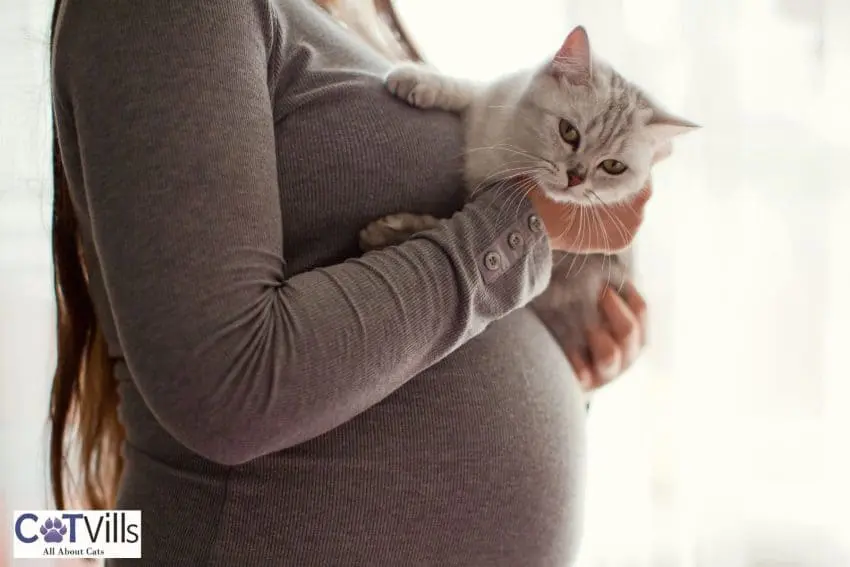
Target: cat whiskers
x,y
607,260
523,170
522,159
501,180
533,159
569,219
527,184
515,192
624,232
604,237
618,224
525,166
583,209
510,148
503,174
525,173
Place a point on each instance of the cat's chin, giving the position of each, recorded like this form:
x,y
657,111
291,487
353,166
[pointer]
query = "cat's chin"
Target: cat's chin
x,y
565,196
582,197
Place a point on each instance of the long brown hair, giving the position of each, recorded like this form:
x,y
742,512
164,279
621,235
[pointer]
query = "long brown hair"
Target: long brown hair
x,y
84,398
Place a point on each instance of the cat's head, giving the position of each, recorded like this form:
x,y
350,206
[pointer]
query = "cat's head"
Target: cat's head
x,y
594,132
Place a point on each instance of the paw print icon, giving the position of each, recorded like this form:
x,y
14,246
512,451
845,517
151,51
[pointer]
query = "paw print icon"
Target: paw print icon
x,y
53,530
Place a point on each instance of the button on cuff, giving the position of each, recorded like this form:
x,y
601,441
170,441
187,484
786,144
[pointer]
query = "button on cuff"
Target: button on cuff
x,y
510,246
535,224
515,240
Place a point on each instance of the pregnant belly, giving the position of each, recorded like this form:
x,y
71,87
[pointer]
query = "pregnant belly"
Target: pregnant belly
x,y
476,462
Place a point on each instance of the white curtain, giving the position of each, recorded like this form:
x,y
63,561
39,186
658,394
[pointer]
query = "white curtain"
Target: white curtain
x,y
26,308
727,445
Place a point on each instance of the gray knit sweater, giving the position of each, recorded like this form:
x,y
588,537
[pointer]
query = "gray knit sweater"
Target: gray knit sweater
x,y
287,401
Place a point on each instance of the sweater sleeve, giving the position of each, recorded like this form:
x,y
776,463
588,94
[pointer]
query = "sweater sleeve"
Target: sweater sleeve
x,y
167,106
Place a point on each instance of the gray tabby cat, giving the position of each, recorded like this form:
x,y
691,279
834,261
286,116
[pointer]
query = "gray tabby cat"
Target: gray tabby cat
x,y
574,126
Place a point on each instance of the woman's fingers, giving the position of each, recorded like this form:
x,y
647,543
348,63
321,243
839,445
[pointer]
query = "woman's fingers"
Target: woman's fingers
x,y
637,308
604,363
583,369
625,326
606,355
616,344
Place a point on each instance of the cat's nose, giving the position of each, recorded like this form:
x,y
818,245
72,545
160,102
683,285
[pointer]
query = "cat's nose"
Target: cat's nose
x,y
575,177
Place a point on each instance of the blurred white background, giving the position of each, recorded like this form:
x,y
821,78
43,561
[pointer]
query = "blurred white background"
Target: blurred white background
x,y
727,445
26,304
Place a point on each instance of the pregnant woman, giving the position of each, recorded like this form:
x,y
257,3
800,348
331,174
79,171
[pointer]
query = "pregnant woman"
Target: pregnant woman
x,y
282,400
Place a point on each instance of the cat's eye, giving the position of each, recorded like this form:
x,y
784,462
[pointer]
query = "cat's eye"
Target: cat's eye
x,y
569,133
613,167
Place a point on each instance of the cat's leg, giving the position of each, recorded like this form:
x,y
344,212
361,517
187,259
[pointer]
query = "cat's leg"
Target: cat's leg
x,y
394,229
424,87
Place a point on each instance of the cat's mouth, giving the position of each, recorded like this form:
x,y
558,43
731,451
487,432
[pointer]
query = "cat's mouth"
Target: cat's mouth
x,y
574,179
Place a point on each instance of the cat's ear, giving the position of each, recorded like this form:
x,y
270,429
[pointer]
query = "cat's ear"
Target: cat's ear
x,y
573,60
665,126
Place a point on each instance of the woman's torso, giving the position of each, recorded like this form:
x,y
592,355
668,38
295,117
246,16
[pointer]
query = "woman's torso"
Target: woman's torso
x,y
475,462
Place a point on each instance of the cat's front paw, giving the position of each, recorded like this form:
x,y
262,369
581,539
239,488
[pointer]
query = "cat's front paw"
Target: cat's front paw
x,y
414,84
393,229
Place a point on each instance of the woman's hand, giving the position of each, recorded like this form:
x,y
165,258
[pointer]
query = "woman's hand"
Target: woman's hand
x,y
588,230
616,343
